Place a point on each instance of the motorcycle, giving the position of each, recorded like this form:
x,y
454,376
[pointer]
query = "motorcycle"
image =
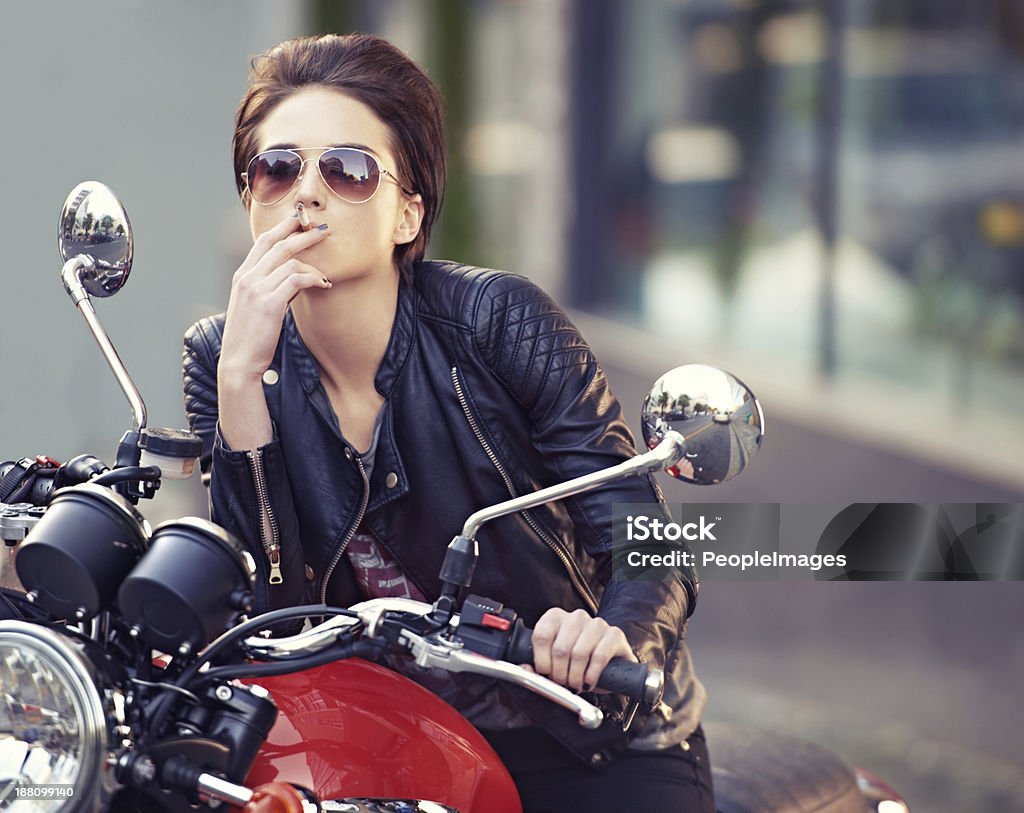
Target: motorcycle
x,y
133,678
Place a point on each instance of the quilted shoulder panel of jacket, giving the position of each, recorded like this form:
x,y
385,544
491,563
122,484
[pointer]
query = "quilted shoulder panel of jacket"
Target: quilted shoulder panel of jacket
x,y
516,328
199,379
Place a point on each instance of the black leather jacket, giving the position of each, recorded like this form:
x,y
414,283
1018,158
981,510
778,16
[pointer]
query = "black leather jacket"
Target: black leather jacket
x,y
489,392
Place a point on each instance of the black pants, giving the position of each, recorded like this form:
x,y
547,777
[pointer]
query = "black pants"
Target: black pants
x,y
551,780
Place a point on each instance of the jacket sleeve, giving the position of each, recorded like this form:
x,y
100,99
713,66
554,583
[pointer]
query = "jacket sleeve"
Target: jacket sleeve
x,y
535,350
231,476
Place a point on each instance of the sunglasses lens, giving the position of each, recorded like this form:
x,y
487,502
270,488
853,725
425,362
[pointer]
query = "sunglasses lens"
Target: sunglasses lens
x,y
271,175
352,175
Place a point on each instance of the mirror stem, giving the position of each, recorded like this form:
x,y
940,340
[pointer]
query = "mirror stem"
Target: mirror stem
x,y
666,453
73,285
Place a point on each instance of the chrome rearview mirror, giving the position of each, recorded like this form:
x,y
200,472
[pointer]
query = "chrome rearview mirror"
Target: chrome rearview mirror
x,y
94,230
95,241
717,415
700,424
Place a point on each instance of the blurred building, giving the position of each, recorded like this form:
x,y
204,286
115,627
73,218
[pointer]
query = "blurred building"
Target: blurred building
x,y
827,198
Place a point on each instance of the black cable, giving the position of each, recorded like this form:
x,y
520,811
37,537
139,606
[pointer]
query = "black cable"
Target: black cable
x,y
22,609
260,622
162,705
126,474
337,652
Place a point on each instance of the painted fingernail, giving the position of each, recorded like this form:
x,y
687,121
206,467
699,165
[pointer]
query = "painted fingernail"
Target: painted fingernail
x,y
586,687
323,227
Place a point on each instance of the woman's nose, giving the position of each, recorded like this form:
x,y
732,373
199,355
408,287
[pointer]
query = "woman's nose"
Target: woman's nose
x,y
309,183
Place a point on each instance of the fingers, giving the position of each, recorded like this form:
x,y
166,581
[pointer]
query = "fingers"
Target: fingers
x,y
268,239
294,272
561,649
544,632
290,246
262,287
584,650
296,276
574,648
612,644
268,296
271,276
278,244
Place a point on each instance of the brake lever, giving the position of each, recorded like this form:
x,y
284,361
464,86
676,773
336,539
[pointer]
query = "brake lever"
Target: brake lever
x,y
453,657
429,651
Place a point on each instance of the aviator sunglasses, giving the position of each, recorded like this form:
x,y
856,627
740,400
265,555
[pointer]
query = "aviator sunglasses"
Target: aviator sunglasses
x,y
351,174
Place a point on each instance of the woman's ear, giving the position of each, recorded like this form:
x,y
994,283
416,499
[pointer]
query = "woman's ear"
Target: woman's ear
x,y
410,218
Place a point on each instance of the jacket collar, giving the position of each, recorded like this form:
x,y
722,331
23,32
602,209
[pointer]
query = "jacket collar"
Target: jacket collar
x,y
403,334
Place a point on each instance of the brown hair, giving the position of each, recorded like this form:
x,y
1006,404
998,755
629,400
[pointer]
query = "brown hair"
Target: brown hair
x,y
376,73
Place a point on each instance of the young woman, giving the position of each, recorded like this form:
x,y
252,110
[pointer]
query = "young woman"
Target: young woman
x,y
357,403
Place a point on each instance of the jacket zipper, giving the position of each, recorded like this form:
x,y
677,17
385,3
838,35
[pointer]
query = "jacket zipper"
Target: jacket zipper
x,y
575,576
266,517
350,534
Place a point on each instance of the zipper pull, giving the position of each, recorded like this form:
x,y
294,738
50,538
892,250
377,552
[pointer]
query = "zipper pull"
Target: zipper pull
x,y
275,565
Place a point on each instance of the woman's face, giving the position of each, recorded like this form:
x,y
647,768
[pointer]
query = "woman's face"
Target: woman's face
x,y
362,236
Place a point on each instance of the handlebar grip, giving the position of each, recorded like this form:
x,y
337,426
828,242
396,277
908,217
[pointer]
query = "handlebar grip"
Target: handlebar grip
x,y
520,644
634,680
621,676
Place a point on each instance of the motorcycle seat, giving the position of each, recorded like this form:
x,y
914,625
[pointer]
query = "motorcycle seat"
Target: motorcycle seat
x,y
758,772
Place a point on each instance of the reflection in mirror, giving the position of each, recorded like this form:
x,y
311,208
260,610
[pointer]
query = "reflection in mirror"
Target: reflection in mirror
x,y
93,223
714,411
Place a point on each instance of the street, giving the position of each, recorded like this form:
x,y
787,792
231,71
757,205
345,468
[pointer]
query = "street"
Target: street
x,y
918,682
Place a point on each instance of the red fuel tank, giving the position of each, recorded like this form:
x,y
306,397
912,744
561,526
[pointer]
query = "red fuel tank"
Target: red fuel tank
x,y
355,729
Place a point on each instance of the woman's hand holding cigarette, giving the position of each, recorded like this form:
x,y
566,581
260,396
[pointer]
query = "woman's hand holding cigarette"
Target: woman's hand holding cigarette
x,y
266,281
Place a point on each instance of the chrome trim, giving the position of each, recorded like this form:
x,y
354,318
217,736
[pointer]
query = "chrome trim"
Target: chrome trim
x,y
217,788
312,640
664,454
92,778
324,634
430,653
70,276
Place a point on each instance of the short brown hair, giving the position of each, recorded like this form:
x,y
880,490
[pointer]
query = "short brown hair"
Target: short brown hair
x,y
376,73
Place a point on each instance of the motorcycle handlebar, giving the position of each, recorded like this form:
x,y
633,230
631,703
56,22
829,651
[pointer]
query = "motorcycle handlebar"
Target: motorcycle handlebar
x,y
629,678
34,480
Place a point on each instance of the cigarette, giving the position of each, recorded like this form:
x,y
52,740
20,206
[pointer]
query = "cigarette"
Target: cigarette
x,y
304,223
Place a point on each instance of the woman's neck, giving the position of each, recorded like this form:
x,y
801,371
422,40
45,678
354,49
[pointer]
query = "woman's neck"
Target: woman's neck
x,y
347,328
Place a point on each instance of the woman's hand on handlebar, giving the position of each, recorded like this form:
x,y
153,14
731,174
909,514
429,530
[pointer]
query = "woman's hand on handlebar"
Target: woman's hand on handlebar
x,y
266,281
574,648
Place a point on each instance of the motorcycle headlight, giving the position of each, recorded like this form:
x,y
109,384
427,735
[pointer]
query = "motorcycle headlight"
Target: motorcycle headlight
x,y
52,725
